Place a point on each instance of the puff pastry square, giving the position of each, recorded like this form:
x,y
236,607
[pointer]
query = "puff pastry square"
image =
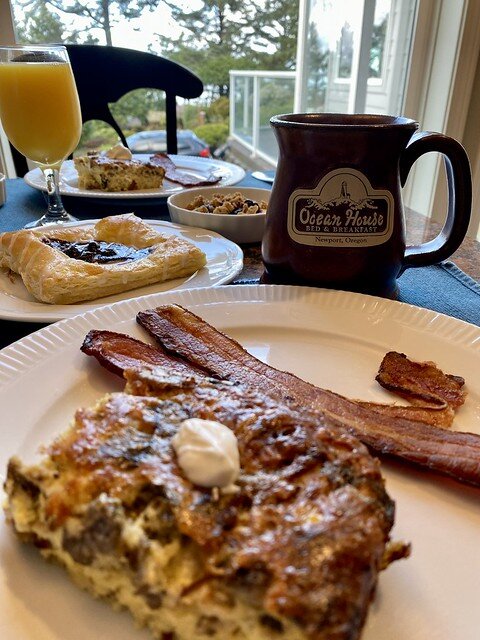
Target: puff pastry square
x,y
52,276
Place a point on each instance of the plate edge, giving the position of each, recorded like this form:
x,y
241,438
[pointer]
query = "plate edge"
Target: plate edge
x,y
233,180
22,355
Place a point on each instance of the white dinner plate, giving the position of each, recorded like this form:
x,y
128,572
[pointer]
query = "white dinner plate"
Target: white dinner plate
x,y
224,262
198,167
333,339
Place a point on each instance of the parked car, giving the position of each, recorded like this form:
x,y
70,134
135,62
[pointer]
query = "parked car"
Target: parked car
x,y
156,142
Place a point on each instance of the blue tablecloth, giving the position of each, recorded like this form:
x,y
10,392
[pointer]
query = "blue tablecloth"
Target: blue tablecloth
x,y
443,288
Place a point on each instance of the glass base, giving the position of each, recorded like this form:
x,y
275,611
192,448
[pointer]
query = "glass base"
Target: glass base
x,y
48,220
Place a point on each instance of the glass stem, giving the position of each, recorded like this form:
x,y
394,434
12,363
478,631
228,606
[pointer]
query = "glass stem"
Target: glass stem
x,y
55,208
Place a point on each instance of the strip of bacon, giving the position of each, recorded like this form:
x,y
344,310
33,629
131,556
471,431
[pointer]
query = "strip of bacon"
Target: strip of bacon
x,y
420,382
118,352
187,336
175,175
436,416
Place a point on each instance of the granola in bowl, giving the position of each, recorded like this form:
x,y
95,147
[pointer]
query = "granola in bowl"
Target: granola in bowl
x,y
227,203
237,213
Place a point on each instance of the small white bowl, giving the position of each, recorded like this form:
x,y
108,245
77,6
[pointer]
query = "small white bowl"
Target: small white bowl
x,y
239,228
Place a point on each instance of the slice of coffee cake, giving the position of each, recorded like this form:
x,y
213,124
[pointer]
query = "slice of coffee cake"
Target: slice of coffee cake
x,y
117,174
293,552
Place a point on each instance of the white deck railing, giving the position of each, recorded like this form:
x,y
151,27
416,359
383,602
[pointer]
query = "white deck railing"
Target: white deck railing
x,y
256,96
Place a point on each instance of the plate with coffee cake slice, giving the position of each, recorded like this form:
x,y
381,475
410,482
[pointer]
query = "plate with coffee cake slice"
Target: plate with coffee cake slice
x,y
134,531
195,169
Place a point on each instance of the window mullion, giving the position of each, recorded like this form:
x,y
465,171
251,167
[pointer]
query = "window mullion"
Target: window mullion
x,y
300,95
256,114
361,60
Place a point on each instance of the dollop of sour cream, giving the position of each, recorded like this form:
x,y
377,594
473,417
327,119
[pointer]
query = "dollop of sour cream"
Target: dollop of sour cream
x,y
207,452
119,152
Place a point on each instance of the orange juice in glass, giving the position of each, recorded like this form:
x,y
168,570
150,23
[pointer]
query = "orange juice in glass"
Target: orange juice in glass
x,y
40,113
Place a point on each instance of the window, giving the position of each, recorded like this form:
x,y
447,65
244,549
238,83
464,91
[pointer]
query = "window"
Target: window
x,y
352,57
361,50
416,57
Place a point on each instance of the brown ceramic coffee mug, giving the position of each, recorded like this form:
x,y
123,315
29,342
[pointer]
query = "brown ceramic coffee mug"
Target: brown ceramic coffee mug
x,y
335,216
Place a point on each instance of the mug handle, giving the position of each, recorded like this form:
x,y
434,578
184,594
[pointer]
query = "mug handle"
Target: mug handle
x,y
459,181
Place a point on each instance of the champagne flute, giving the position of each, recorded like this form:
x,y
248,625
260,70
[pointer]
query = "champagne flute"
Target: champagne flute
x,y
40,113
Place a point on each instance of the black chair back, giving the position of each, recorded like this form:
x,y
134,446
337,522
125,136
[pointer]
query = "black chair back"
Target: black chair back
x,y
104,74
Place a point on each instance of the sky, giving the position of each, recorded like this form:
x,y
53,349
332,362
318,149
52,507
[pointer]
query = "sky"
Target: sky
x,y
138,34
135,34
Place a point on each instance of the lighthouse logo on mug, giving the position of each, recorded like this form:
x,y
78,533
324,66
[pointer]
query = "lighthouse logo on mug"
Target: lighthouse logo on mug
x,y
342,211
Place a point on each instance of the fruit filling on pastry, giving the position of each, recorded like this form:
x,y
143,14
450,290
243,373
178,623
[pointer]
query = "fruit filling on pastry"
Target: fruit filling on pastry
x,y
96,251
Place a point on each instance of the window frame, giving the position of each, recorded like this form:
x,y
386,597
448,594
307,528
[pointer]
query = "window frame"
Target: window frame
x,y
440,100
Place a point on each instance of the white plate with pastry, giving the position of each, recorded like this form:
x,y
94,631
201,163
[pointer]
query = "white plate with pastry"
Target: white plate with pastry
x,y
186,250
200,168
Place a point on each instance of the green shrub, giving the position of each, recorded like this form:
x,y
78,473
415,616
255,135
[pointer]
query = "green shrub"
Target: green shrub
x,y
219,109
214,133
96,136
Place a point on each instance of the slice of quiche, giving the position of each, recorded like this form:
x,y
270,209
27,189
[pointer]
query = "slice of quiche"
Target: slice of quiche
x,y
117,174
293,553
